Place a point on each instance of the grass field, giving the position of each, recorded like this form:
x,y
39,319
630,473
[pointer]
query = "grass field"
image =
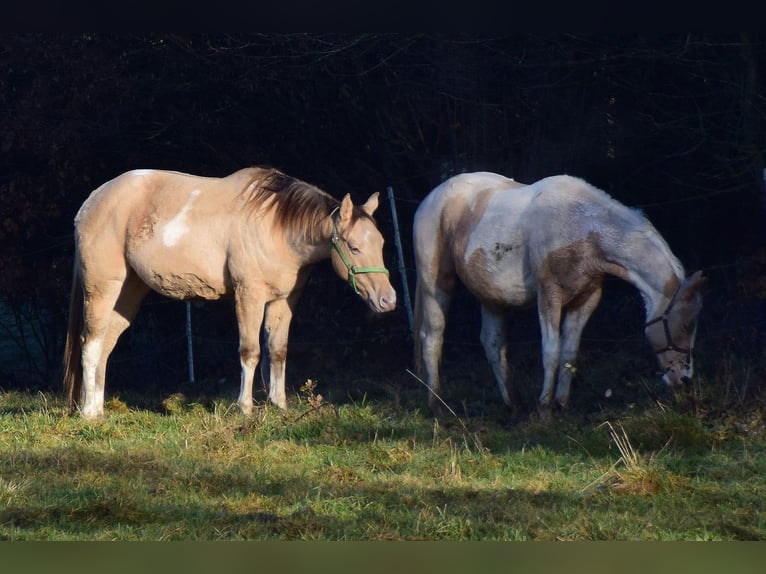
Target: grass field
x,y
375,467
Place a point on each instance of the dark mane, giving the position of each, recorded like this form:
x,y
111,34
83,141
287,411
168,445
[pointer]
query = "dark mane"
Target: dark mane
x,y
298,207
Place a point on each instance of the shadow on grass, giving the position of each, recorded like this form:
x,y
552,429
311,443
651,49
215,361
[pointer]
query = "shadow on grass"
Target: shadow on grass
x,y
86,496
201,507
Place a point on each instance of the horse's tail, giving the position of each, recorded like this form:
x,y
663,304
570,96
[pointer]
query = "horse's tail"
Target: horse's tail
x,y
73,346
416,324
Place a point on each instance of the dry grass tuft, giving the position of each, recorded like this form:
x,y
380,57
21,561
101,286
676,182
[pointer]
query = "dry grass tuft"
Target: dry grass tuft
x,y
115,405
632,473
175,404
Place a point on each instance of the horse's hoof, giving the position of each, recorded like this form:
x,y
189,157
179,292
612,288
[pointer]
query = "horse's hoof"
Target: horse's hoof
x,y
439,411
93,417
515,413
282,405
545,415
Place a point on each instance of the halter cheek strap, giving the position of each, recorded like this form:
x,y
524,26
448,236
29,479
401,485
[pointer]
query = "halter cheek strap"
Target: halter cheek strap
x,y
669,344
353,270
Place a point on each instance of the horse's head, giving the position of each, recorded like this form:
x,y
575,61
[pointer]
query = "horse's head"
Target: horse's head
x,y
357,253
672,333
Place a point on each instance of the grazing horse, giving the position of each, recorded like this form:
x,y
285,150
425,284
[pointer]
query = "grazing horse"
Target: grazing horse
x,y
549,243
253,235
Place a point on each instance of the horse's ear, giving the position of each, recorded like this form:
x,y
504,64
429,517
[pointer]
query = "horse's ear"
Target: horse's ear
x,y
346,208
692,285
371,204
689,294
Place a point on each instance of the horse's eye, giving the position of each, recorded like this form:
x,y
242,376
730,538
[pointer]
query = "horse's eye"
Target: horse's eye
x,y
353,249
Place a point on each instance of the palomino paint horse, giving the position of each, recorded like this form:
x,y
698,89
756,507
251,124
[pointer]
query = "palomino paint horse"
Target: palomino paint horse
x,y
253,235
551,242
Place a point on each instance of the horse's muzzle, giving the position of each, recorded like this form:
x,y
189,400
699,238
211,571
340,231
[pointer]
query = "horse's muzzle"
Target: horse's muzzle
x,y
676,381
383,303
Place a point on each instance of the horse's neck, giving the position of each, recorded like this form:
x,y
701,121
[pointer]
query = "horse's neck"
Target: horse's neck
x,y
649,266
311,252
285,247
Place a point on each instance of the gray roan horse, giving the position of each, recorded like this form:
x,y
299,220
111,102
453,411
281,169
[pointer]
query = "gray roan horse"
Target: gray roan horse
x,y
551,242
253,235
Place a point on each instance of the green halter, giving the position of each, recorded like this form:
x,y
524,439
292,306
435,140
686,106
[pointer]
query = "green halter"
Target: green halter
x,y
353,270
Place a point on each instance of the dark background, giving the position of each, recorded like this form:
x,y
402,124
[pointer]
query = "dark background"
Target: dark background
x,y
672,123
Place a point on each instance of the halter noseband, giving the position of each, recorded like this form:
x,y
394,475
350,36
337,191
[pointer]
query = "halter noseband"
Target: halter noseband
x,y
353,270
669,344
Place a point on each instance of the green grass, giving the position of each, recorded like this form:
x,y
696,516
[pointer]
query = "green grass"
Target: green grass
x,y
363,469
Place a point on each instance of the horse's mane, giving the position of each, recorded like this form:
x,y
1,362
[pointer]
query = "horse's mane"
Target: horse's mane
x,y
298,207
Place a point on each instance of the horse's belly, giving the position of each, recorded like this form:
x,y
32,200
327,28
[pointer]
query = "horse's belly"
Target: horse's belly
x,y
181,277
502,281
185,285
495,291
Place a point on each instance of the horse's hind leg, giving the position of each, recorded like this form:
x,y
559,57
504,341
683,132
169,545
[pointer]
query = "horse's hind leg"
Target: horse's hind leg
x,y
109,310
129,301
494,340
431,321
549,312
98,303
574,322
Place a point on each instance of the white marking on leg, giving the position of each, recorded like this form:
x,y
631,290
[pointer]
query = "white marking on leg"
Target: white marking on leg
x,y
91,354
277,384
176,228
245,400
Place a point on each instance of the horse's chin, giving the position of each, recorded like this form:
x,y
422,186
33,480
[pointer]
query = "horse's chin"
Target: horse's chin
x,y
377,308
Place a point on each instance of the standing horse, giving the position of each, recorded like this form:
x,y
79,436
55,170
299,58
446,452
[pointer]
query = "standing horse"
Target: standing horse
x,y
551,242
253,235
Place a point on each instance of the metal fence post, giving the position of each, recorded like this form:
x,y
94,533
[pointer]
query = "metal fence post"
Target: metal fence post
x,y
402,272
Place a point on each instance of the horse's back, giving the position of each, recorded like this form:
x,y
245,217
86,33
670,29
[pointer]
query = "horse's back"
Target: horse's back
x,y
495,234
118,197
566,209
455,193
135,201
563,192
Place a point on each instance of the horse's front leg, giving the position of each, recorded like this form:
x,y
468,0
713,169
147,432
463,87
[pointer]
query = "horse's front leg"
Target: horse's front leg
x,y
249,308
279,313
571,332
494,339
549,312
